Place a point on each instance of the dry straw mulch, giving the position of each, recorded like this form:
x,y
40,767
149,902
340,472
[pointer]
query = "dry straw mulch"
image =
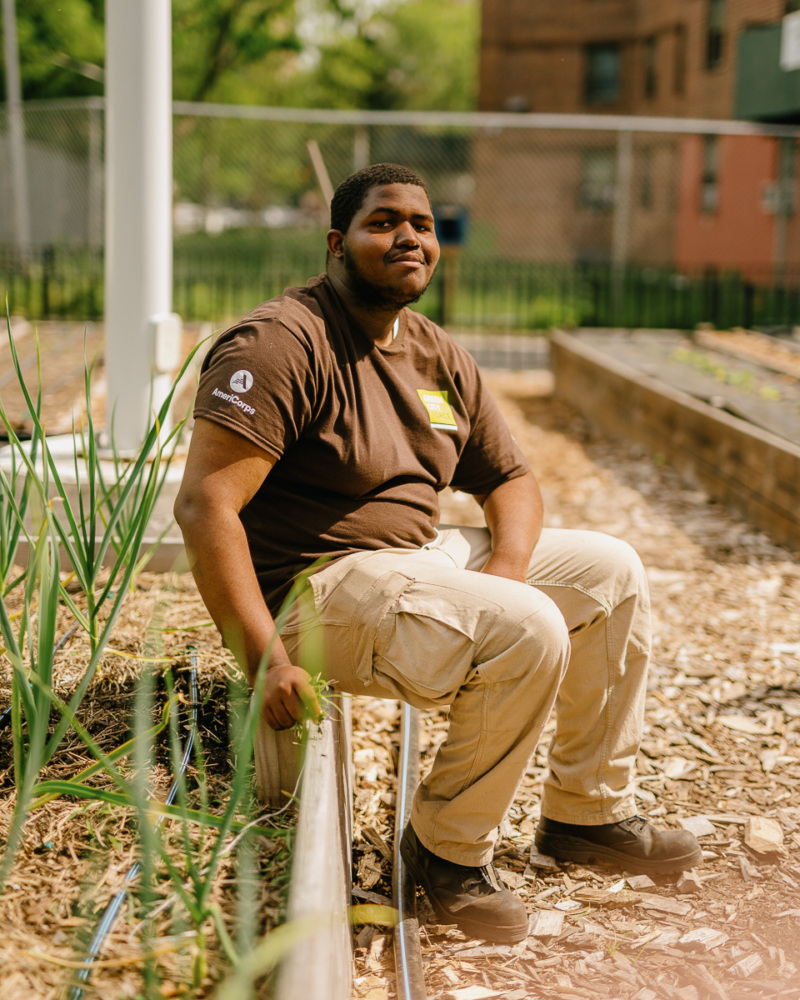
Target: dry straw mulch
x,y
75,855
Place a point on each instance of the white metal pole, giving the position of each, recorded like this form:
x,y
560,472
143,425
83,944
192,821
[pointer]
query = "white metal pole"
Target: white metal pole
x,y
138,263
622,215
16,128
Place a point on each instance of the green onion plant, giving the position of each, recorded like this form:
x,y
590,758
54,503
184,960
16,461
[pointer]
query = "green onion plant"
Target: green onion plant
x,y
85,531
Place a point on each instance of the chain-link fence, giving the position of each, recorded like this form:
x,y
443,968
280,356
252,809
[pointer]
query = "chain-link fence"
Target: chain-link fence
x,y
547,220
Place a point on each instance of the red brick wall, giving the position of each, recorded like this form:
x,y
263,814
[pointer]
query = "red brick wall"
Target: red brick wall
x,y
532,53
740,234
533,57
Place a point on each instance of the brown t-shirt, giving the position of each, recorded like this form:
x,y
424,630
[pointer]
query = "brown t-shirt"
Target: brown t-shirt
x,y
365,436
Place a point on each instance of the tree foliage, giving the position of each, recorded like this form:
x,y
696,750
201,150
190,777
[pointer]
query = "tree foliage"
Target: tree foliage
x,y
378,54
406,54
215,40
61,48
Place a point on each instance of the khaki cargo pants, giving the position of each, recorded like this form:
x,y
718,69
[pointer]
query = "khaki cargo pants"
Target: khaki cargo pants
x,y
425,627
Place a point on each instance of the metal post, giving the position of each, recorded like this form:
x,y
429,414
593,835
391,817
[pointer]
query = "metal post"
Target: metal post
x,y
140,327
360,147
622,219
16,129
95,191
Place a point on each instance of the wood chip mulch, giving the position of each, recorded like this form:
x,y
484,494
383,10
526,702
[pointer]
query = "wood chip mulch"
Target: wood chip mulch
x,y
721,756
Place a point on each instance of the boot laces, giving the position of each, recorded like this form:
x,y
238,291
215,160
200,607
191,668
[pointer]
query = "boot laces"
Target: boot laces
x,y
636,824
478,880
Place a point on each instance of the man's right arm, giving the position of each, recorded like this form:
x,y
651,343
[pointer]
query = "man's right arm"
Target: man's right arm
x,y
223,472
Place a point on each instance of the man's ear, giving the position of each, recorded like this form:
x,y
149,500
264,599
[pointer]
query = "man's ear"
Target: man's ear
x,y
335,241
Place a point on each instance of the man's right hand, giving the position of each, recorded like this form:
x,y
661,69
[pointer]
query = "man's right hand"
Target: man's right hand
x,y
288,697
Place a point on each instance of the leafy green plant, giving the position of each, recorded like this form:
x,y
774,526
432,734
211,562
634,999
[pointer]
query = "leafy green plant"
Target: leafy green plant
x,y
207,834
30,650
104,521
16,490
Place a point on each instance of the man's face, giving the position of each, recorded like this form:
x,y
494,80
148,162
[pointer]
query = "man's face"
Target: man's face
x,y
390,250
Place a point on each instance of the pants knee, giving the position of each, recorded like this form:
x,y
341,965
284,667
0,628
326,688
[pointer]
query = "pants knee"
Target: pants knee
x,y
550,633
544,644
619,567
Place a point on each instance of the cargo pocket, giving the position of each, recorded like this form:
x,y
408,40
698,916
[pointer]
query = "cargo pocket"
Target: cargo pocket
x,y
427,644
352,611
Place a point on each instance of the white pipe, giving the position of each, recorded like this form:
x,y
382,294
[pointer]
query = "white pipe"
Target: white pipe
x,y
16,128
138,259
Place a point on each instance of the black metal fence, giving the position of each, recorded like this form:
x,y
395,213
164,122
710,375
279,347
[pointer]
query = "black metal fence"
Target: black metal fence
x,y
219,285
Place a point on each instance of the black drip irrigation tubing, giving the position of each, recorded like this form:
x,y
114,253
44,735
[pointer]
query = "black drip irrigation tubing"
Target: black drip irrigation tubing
x,y
5,715
410,978
109,915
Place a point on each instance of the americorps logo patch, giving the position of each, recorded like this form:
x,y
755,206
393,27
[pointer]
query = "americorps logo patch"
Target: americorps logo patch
x,y
241,381
439,410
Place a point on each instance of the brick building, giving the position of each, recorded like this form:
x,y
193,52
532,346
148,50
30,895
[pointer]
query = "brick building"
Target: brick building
x,y
632,57
698,201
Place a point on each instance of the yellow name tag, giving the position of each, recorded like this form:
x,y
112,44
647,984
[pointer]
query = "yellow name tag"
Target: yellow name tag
x,y
439,410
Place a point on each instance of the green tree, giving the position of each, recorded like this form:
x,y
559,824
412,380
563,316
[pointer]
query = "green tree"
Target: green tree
x,y
403,54
380,54
216,41
61,48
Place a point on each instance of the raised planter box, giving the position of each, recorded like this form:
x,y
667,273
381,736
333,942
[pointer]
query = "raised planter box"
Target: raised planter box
x,y
319,967
751,470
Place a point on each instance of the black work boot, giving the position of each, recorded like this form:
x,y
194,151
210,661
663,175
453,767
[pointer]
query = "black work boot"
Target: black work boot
x,y
470,897
632,845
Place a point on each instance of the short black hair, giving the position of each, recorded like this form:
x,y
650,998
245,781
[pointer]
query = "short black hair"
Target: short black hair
x,y
350,194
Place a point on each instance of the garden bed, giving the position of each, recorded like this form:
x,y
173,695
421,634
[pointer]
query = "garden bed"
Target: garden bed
x,y
75,853
725,421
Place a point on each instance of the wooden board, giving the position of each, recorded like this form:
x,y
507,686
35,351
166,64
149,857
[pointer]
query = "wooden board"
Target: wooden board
x,y
319,967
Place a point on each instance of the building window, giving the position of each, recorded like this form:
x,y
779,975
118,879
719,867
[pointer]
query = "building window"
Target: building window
x,y
791,6
709,181
598,179
650,67
715,33
680,59
602,73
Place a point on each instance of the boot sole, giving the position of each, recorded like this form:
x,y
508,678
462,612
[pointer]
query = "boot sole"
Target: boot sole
x,y
496,934
574,849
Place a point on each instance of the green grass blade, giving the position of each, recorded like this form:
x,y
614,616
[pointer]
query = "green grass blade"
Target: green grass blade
x,y
275,945
26,687
155,808
94,749
117,754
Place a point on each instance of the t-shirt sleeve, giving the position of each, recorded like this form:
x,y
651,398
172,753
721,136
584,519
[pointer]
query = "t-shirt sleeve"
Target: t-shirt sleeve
x,y
491,455
257,380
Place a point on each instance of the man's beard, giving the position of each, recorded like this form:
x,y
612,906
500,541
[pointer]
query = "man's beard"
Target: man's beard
x,y
374,296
